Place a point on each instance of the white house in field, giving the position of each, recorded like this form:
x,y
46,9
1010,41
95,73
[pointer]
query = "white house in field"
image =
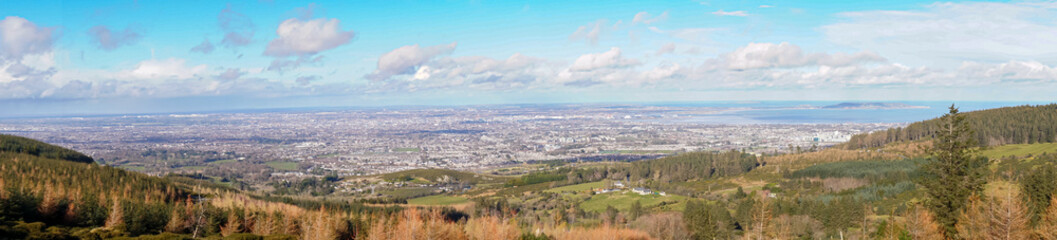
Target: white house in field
x,y
642,191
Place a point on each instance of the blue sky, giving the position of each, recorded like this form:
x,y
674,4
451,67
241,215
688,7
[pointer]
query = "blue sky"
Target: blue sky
x,y
115,56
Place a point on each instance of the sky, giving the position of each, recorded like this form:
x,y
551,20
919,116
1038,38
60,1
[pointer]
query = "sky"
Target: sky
x,y
102,57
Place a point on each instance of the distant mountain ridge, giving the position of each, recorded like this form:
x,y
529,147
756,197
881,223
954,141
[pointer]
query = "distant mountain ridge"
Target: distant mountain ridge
x,y
871,105
16,144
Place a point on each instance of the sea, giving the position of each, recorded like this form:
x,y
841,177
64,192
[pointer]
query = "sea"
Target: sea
x,y
812,112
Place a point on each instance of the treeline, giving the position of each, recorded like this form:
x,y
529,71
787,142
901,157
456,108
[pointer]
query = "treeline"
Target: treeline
x,y
58,199
694,165
1007,125
16,144
871,170
682,167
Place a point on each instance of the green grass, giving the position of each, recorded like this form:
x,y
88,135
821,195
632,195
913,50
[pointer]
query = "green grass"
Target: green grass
x,y
224,161
637,151
407,150
437,200
506,191
622,201
193,168
432,175
576,188
407,192
1019,150
280,165
135,168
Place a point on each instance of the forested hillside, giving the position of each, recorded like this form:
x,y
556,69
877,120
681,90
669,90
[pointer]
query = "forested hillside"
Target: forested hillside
x,y
696,165
16,144
45,198
999,126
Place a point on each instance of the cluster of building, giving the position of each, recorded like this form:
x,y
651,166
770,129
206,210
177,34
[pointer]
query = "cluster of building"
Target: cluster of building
x,y
620,187
370,141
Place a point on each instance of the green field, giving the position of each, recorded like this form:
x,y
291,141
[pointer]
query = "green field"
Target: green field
x,y
622,201
433,175
278,165
637,151
224,161
1019,150
437,200
193,168
135,168
576,188
407,192
407,150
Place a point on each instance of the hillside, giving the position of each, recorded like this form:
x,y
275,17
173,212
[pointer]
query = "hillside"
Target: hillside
x,y
870,105
436,175
16,144
44,195
999,126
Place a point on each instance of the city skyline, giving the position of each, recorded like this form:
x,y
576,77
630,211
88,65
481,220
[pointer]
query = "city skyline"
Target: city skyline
x,y
126,56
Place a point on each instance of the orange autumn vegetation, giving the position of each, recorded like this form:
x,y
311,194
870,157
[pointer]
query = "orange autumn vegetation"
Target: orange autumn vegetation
x,y
413,224
889,152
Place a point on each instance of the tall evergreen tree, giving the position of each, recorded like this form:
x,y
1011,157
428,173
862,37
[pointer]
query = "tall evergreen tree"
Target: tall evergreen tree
x,y
699,221
952,174
1038,186
636,210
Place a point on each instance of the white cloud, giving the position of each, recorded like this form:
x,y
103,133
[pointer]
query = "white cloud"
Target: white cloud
x,y
26,56
20,37
667,48
172,68
205,47
607,59
644,17
109,40
231,74
661,73
281,64
766,6
405,60
785,55
299,38
734,13
590,32
305,80
1012,71
238,28
946,34
516,71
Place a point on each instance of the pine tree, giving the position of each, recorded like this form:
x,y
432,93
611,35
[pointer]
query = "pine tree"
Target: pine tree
x,y
233,225
636,210
921,225
1009,219
975,220
699,221
1047,227
1039,185
116,219
761,219
177,221
952,174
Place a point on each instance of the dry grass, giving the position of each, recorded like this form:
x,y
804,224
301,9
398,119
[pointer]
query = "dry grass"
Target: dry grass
x,y
598,233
